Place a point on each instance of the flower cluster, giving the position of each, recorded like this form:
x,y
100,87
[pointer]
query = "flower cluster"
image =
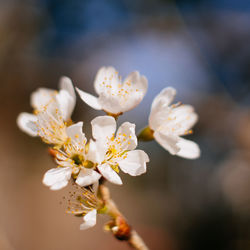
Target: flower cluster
x,y
87,161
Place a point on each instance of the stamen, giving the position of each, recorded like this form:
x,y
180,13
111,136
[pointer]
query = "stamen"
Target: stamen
x,y
82,200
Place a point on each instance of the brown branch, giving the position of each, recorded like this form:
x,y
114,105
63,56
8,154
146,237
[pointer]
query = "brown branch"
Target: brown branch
x,y
119,226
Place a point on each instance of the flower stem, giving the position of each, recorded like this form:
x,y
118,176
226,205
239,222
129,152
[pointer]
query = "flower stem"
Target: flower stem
x,y
119,226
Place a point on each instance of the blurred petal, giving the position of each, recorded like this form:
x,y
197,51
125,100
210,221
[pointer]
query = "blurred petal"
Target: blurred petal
x,y
184,119
42,97
166,96
103,127
105,76
89,99
89,220
134,163
138,82
87,177
65,83
66,104
27,123
109,174
188,149
160,103
57,178
168,142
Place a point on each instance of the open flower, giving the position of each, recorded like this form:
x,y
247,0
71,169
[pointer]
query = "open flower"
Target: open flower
x,y
115,96
40,99
72,160
112,152
168,123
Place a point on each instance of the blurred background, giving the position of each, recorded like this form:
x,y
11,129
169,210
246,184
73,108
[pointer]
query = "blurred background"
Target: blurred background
x,y
200,47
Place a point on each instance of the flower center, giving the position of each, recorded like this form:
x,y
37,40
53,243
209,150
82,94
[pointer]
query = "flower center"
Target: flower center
x,y
112,151
78,159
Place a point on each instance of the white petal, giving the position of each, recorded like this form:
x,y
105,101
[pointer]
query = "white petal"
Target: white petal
x,y
106,76
57,178
89,99
168,142
66,104
42,97
188,149
97,150
160,103
111,103
92,152
184,119
134,163
103,127
109,174
126,136
89,220
66,84
27,123
75,129
77,136
106,85
135,87
67,101
138,82
165,97
59,185
87,177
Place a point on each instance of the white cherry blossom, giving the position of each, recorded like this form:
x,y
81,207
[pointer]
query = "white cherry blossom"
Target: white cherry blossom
x,y
72,159
65,100
169,122
113,152
115,96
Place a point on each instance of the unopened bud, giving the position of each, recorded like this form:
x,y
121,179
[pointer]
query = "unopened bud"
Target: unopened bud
x,y
121,230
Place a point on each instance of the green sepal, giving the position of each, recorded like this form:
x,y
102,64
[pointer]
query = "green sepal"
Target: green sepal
x,y
102,210
146,134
